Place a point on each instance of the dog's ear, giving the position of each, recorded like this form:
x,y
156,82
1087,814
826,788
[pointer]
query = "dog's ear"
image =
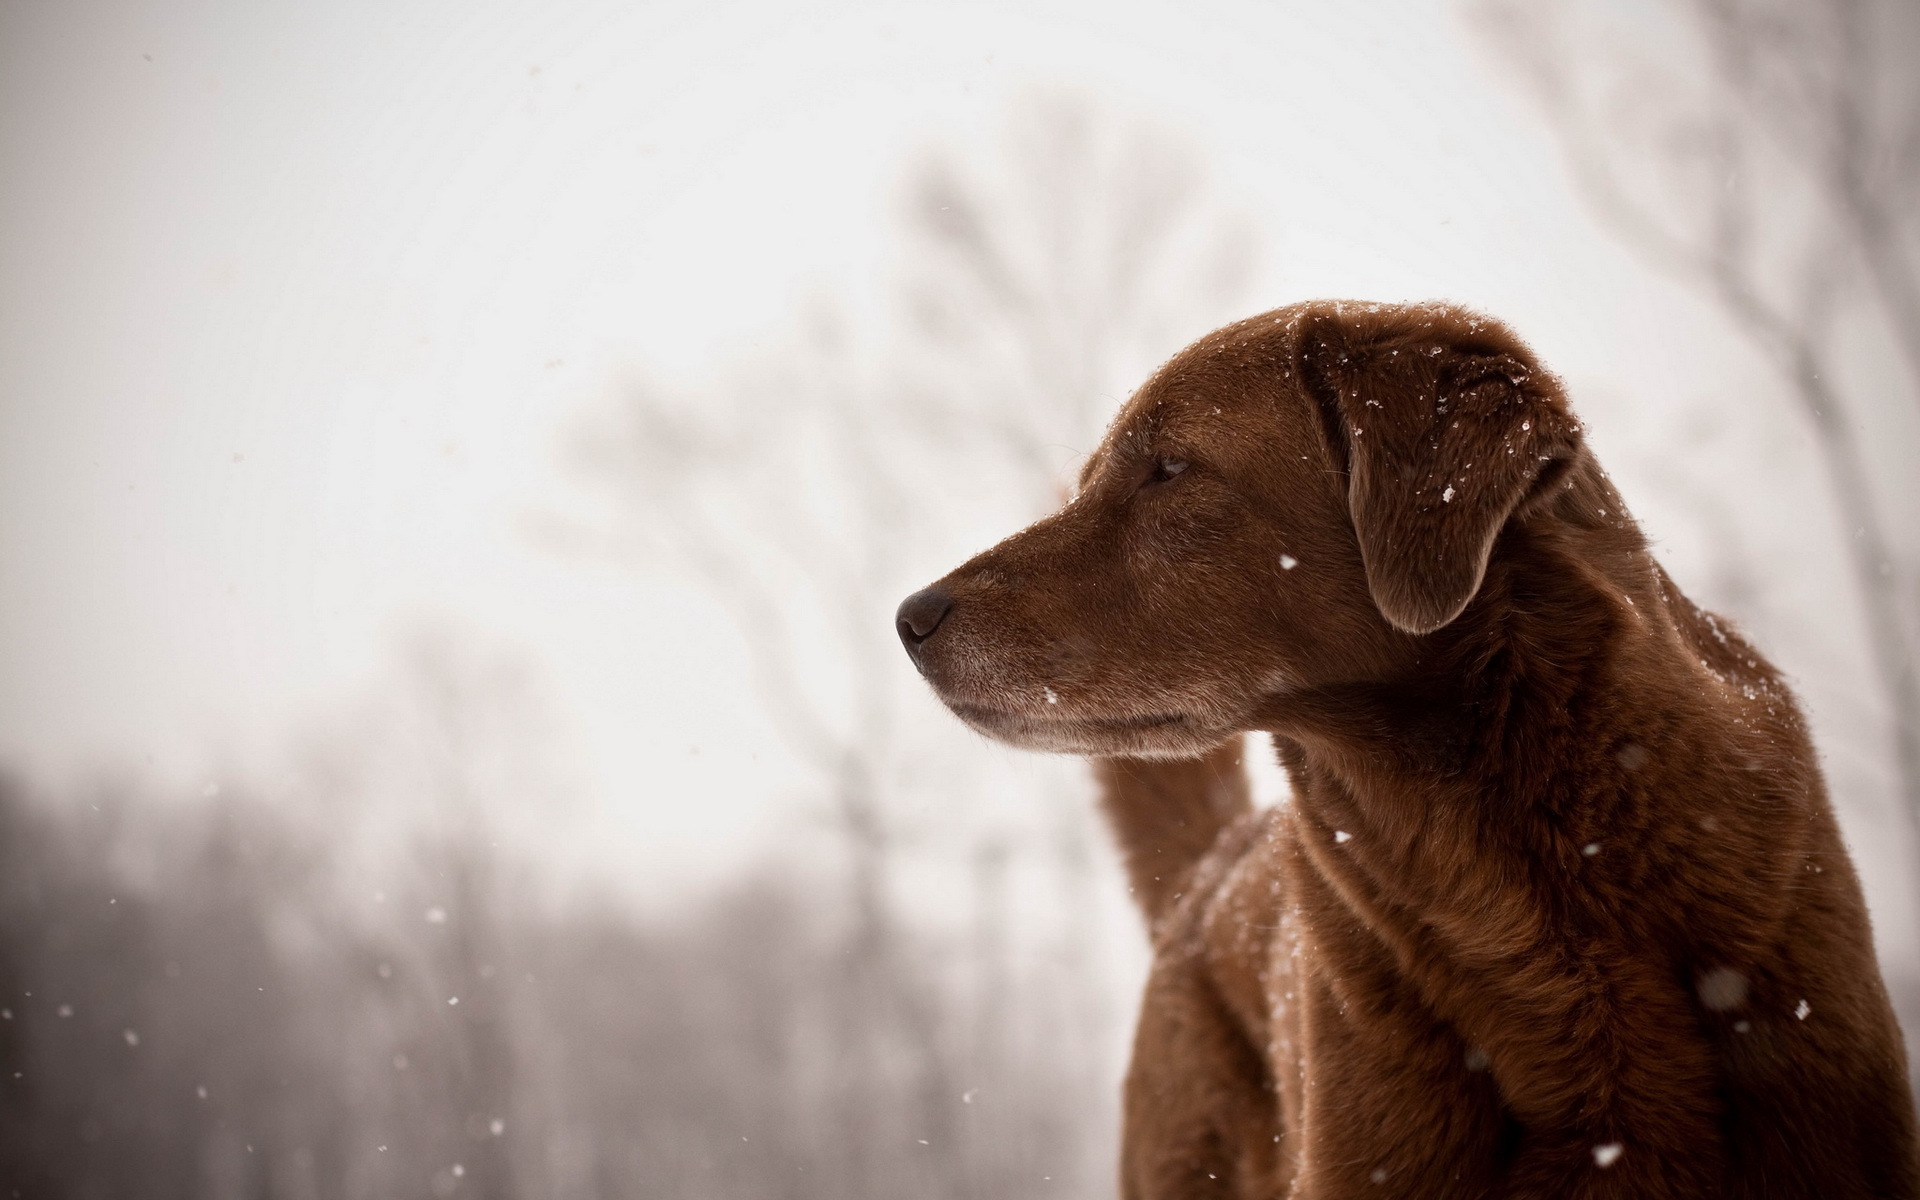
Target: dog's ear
x,y
1444,426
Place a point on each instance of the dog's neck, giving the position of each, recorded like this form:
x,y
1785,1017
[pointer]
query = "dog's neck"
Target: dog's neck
x,y
1568,617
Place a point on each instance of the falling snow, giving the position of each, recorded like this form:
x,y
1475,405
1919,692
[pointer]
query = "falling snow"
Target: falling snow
x,y
1722,989
1288,562
1608,1154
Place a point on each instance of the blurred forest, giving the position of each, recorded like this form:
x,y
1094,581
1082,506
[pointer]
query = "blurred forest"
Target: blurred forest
x,y
203,1000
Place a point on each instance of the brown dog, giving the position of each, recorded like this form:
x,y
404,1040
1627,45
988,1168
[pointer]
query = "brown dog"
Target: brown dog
x,y
1558,906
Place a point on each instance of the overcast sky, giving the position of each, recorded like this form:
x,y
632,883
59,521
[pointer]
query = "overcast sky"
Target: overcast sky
x,y
298,302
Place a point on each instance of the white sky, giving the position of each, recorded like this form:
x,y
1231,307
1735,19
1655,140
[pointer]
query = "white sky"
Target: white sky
x,y
298,300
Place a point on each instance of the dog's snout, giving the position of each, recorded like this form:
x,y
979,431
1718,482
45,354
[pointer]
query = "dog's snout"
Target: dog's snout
x,y
920,614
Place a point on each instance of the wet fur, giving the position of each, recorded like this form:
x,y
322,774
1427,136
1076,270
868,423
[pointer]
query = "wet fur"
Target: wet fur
x,y
1558,873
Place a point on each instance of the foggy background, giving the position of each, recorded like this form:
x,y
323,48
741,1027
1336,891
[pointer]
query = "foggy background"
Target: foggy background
x,y
458,463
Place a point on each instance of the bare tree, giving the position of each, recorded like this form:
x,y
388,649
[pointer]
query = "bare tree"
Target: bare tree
x,y
1040,294
797,492
462,986
1768,152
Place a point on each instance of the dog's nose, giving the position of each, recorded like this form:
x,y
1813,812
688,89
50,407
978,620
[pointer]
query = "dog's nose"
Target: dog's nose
x,y
920,614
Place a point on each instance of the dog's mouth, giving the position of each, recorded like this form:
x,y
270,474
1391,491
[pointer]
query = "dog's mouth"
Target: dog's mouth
x,y
990,716
1145,734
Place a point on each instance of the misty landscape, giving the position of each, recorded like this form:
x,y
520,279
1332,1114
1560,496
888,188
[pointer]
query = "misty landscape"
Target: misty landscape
x,y
389,942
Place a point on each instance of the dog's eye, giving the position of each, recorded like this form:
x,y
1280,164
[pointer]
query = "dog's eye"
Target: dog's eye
x,y
1165,469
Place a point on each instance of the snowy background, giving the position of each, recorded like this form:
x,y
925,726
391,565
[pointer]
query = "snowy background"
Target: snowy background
x,y
458,463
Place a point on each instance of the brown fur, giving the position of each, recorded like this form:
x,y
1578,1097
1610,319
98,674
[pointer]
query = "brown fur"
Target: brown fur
x,y
1558,876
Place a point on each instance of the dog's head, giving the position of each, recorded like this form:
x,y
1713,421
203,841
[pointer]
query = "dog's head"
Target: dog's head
x,y
1293,501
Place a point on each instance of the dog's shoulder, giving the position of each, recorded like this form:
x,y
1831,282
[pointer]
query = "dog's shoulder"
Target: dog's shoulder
x,y
1226,922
